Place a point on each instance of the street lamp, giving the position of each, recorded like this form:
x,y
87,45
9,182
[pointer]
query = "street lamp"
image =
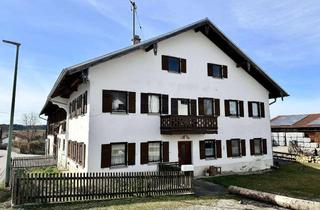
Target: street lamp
x,y
8,166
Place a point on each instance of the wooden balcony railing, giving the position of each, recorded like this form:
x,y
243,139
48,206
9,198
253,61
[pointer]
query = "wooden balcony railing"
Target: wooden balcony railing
x,y
175,124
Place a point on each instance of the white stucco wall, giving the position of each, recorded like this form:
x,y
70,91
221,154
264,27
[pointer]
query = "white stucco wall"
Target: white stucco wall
x,y
141,72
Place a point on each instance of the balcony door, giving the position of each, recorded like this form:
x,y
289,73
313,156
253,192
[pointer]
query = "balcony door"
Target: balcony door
x,y
184,152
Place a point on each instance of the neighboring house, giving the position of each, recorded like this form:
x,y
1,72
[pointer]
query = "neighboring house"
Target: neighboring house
x,y
188,96
303,130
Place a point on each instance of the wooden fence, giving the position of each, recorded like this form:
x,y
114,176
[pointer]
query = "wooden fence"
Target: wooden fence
x,y
284,156
33,161
66,187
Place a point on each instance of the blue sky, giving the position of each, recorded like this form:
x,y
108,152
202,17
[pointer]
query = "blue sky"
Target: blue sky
x,y
283,37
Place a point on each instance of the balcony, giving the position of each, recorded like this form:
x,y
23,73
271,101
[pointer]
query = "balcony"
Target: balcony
x,y
175,124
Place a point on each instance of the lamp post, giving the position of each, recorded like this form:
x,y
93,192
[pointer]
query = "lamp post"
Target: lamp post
x,y
8,166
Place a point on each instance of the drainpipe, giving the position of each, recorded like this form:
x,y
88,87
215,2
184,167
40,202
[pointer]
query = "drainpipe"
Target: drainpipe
x,y
275,100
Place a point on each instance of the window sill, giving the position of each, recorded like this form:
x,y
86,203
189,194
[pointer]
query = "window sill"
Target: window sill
x,y
255,117
118,166
211,158
119,113
154,163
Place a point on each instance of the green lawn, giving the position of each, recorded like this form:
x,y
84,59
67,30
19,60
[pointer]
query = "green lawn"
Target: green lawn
x,y
295,179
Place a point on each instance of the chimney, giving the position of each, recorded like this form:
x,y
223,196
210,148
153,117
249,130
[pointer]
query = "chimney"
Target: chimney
x,y
136,39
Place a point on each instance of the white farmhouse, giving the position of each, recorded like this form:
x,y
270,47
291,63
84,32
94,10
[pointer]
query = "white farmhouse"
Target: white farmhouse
x,y
188,96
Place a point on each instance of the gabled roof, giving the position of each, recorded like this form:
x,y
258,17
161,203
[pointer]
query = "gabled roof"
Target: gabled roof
x,y
296,122
204,26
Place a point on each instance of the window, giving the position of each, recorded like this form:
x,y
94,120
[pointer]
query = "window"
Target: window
x,y
78,106
256,109
154,103
115,101
118,154
174,64
235,148
154,151
257,146
209,148
208,106
233,108
217,71
183,107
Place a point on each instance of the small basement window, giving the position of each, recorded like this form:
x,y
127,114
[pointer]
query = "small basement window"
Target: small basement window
x,y
118,154
119,101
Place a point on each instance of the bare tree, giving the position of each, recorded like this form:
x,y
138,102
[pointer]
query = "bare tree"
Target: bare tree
x,y
30,121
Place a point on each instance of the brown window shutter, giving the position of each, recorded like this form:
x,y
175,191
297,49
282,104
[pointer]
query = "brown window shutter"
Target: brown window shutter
x,y
105,155
218,149
144,153
243,147
164,104
106,101
69,149
227,107
241,111
216,107
144,103
262,111
252,147
250,108
132,102
165,152
229,148
174,106
165,64
193,110
210,70
131,153
183,66
83,155
225,71
85,102
202,150
201,106
264,146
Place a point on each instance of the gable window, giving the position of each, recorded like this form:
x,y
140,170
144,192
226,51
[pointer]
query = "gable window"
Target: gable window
x,y
256,109
118,154
154,151
236,147
174,64
119,101
234,108
258,146
217,71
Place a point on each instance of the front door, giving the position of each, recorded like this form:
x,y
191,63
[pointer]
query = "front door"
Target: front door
x,y
184,152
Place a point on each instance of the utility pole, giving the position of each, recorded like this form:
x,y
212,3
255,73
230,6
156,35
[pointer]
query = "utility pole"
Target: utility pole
x,y
133,9
8,166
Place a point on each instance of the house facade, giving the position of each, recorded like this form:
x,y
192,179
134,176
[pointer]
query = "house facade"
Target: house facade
x,y
189,96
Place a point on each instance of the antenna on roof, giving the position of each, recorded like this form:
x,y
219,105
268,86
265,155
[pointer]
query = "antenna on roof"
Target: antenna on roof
x,y
135,38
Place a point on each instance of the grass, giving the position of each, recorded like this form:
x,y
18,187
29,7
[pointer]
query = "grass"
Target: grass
x,y
49,169
163,202
294,179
